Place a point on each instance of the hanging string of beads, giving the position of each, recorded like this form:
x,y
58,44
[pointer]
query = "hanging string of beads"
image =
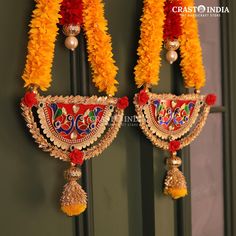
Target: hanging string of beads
x,y
172,30
71,20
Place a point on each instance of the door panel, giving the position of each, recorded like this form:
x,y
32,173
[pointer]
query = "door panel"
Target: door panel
x,y
164,206
116,173
31,181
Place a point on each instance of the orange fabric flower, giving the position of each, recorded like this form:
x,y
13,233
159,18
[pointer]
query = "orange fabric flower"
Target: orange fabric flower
x,y
42,36
150,44
99,47
190,49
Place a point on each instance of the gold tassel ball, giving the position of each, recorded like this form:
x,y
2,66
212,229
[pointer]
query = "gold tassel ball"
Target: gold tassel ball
x,y
175,183
74,199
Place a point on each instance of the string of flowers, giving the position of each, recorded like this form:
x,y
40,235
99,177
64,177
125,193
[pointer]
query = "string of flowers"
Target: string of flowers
x,y
150,44
190,50
42,36
99,46
71,12
172,25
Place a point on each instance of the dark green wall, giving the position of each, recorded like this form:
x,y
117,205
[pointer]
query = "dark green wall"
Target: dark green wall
x,y
31,181
116,174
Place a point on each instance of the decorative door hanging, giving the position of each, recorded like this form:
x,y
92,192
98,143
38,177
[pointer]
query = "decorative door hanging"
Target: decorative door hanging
x,y
71,128
170,122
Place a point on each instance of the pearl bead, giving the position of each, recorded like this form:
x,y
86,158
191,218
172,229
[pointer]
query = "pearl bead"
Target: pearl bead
x,y
171,44
71,43
71,30
171,56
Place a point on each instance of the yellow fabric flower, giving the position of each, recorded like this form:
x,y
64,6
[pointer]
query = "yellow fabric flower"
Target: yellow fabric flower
x,y
190,49
150,44
99,46
42,36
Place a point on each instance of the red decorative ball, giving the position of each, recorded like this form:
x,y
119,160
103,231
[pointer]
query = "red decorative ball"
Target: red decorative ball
x,y
123,103
76,157
71,12
210,99
143,97
30,99
172,24
174,146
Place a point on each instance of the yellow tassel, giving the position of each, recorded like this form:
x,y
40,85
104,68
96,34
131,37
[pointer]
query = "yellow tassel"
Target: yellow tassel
x,y
74,199
73,210
175,183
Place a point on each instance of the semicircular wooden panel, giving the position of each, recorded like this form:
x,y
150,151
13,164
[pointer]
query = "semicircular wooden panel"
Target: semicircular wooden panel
x,y
170,116
173,116
74,121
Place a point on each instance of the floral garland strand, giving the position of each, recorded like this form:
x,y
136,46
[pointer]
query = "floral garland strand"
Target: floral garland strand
x,y
172,25
190,50
150,44
42,36
71,12
99,47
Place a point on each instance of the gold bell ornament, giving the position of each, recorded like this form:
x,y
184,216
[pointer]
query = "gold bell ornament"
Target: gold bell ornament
x,y
74,198
175,183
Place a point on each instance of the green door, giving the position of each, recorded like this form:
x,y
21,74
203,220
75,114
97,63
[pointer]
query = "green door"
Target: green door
x,y
127,179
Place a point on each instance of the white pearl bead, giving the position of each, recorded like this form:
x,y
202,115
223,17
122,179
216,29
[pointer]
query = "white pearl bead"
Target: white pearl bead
x,y
71,43
171,56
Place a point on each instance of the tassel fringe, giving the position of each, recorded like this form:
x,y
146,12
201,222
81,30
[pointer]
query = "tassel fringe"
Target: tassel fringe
x,y
74,198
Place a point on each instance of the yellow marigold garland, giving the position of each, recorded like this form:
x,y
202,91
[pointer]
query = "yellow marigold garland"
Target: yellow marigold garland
x,y
99,46
42,36
190,50
150,44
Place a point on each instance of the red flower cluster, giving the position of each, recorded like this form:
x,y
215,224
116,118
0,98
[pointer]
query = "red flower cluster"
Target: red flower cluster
x,y
172,24
174,146
123,103
76,157
71,12
142,97
211,99
30,99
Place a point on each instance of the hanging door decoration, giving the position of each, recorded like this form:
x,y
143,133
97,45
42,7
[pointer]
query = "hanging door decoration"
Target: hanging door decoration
x,y
171,122
72,128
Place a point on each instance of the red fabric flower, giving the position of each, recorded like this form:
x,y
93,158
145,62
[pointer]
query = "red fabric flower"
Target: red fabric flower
x,y
30,99
143,97
76,157
211,99
123,103
172,24
71,12
174,146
